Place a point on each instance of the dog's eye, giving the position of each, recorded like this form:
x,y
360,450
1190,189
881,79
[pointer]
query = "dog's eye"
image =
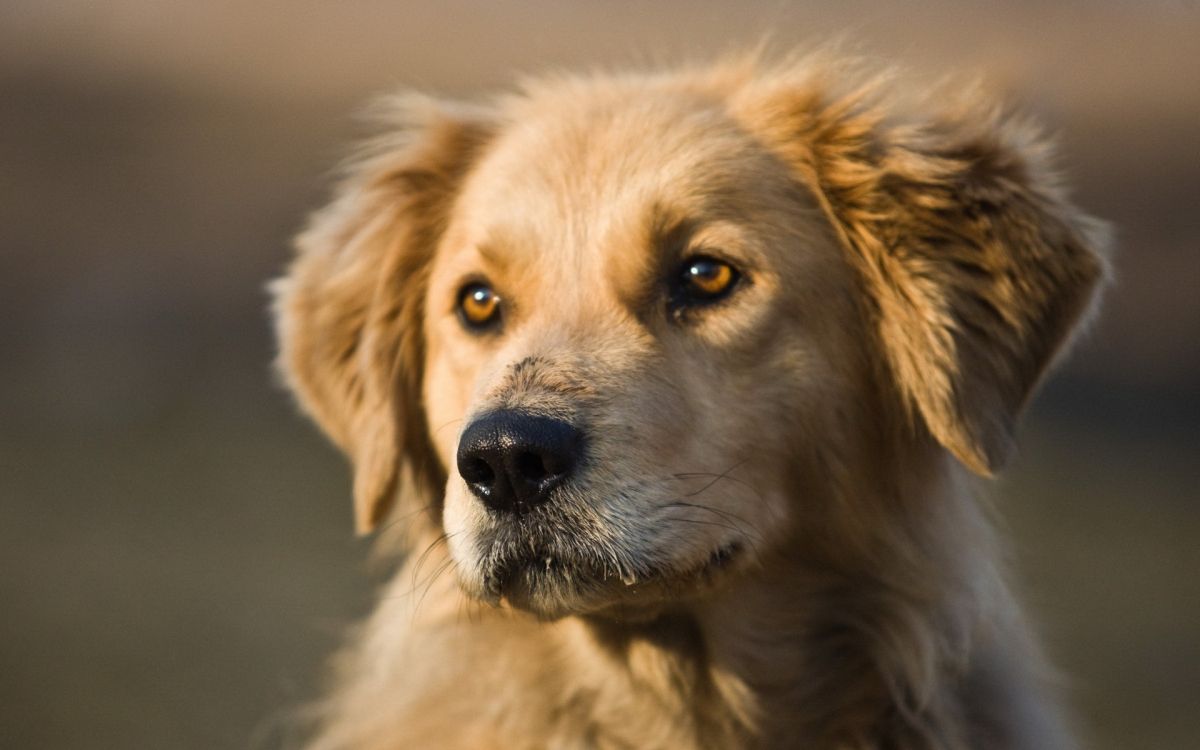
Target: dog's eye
x,y
478,306
702,279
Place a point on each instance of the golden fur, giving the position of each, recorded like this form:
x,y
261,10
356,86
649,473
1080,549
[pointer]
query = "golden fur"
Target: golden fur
x,y
911,269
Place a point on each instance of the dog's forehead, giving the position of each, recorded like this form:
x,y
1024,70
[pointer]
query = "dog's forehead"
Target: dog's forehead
x,y
583,176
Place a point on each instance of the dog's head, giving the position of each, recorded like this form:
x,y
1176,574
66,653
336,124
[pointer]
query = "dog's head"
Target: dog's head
x,y
618,333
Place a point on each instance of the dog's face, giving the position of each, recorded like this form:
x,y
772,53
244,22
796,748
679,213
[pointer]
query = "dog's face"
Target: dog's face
x,y
627,296
623,331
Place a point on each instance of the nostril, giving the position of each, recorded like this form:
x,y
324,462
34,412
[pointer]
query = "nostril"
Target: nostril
x,y
477,471
531,467
558,464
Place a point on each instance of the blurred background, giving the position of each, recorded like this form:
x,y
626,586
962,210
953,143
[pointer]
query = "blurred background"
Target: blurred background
x,y
176,553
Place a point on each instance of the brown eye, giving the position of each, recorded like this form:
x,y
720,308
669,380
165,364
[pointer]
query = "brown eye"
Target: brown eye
x,y
478,306
702,280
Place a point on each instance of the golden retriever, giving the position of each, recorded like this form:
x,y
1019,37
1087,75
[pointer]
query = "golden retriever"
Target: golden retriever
x,y
671,382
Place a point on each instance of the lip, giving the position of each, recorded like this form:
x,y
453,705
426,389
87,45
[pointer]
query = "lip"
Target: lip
x,y
534,577
556,587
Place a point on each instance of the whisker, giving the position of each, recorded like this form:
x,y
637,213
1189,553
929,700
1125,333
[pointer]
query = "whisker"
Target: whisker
x,y
415,584
441,539
401,519
698,522
439,429
735,523
447,565
742,524
699,506
718,477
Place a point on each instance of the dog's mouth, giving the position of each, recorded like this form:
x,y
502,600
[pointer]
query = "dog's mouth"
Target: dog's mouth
x,y
556,584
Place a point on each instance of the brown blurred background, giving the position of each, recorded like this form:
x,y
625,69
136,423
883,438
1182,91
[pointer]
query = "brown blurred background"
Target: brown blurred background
x,y
176,555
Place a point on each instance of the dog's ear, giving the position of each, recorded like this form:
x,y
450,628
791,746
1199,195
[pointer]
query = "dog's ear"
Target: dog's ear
x,y
977,268
349,310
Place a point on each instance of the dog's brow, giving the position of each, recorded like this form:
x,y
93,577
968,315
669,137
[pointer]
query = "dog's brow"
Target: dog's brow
x,y
668,232
489,251
674,239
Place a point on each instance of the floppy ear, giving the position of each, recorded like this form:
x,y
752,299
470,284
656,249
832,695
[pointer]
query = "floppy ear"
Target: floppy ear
x,y
976,267
348,311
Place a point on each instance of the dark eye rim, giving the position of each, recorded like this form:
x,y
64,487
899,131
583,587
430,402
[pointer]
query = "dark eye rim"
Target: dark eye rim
x,y
487,326
682,298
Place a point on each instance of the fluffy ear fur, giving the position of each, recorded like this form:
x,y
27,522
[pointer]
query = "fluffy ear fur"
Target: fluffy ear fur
x,y
348,310
976,265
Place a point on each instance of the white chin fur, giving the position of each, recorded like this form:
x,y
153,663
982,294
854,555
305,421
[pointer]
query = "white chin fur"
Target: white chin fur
x,y
460,517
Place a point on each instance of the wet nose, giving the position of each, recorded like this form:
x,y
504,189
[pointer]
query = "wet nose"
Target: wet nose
x,y
512,460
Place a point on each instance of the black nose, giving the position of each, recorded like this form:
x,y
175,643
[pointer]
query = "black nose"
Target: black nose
x,y
512,460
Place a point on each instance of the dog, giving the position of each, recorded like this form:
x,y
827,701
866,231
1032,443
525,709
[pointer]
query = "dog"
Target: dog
x,y
670,386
